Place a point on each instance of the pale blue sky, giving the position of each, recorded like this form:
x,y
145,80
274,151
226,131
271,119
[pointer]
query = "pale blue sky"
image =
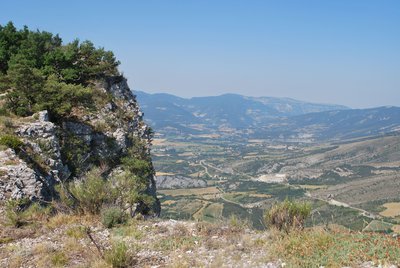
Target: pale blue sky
x,y
332,51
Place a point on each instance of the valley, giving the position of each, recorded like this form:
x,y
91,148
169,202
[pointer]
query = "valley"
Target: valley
x,y
236,155
349,183
274,140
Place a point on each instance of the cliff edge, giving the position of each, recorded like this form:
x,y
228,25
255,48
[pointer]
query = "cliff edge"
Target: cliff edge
x,y
58,150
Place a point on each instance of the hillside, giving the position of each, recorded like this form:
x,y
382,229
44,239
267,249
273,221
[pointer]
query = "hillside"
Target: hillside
x,y
336,125
70,127
82,241
78,184
281,119
229,110
349,183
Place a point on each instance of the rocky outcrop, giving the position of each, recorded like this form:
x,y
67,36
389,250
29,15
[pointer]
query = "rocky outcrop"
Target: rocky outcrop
x,y
33,172
41,136
18,180
68,147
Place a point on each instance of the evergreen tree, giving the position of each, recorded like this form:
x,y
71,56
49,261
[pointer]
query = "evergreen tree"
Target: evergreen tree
x,y
41,73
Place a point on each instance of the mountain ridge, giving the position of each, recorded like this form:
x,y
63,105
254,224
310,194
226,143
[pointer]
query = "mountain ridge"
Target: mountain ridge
x,y
282,119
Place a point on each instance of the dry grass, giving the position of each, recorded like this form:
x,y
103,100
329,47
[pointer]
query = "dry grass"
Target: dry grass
x,y
61,219
318,247
392,210
62,242
11,162
168,202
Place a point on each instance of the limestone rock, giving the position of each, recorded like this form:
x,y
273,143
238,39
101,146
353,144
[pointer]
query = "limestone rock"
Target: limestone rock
x,y
43,116
43,139
18,180
106,133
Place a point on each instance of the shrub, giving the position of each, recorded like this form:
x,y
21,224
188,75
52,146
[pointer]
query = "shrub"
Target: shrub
x,y
14,212
8,123
37,212
76,232
4,111
129,191
74,152
237,224
118,256
23,211
59,98
112,216
288,215
90,193
11,141
59,259
66,203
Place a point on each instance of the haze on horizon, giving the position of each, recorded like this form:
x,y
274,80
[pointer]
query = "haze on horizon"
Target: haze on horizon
x,y
343,52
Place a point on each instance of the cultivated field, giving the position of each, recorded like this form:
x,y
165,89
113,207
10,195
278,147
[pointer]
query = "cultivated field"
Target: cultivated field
x,y
352,183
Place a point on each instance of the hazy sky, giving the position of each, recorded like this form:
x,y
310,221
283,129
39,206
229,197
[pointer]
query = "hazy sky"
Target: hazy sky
x,y
332,51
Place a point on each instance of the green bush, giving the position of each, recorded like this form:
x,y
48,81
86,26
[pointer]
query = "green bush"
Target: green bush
x,y
74,152
112,216
66,202
59,98
58,259
287,215
118,256
4,111
14,212
8,123
11,141
129,191
93,192
90,193
22,211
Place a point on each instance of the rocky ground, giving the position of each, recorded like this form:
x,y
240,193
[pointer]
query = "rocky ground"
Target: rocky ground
x,y
82,241
64,241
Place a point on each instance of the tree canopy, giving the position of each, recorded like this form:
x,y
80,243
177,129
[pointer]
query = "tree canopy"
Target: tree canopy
x,y
40,72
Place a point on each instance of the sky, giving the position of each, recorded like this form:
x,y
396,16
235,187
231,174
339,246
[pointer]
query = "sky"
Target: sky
x,y
329,51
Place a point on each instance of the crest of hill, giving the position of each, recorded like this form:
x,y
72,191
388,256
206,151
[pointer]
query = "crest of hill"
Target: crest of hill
x,y
66,112
235,110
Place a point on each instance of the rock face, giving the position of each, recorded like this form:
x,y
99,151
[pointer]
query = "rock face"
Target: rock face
x,y
42,138
18,180
58,151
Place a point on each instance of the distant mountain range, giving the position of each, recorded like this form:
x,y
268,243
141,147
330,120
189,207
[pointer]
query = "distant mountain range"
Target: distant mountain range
x,y
263,117
335,125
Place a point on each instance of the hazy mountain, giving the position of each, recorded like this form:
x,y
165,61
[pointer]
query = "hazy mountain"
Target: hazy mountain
x,y
344,124
232,110
265,117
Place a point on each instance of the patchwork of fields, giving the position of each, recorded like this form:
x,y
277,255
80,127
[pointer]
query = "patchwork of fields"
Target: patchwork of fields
x,y
355,183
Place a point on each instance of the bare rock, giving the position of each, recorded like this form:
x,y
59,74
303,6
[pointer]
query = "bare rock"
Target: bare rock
x,y
106,133
18,180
